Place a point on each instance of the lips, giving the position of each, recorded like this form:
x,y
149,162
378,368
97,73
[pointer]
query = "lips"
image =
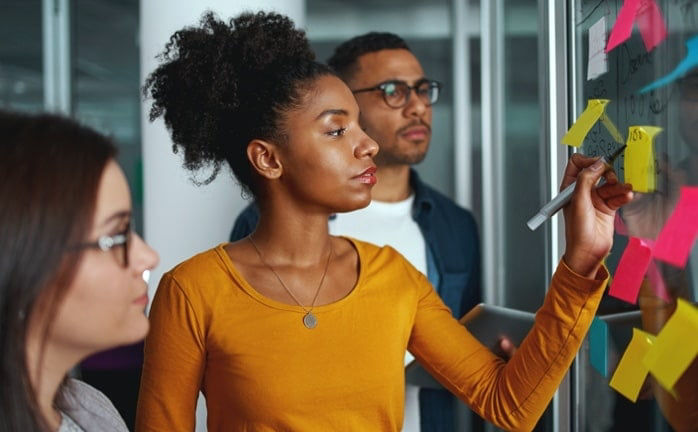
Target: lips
x,y
416,132
142,300
368,176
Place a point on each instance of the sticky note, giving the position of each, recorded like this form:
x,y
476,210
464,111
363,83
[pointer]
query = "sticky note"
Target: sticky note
x,y
657,282
676,239
689,62
598,60
631,371
619,225
595,111
598,345
631,270
639,158
675,347
651,24
649,21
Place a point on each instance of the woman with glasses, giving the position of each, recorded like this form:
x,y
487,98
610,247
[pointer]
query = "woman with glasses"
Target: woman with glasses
x,y
70,272
294,329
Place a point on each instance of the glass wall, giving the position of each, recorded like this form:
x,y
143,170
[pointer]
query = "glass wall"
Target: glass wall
x,y
106,68
663,183
426,27
21,65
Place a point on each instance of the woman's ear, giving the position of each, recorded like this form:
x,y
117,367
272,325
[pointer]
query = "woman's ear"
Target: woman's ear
x,y
264,157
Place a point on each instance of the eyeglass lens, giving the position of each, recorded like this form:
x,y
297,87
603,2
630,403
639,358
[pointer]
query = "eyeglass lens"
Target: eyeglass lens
x,y
397,93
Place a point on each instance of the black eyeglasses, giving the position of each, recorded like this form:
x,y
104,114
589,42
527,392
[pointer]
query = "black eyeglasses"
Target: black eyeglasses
x,y
396,93
107,243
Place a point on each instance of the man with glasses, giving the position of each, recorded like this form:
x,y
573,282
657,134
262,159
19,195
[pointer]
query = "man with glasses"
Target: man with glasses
x,y
439,238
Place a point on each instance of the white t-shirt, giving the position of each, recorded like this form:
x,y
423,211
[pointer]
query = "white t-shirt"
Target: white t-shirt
x,y
383,223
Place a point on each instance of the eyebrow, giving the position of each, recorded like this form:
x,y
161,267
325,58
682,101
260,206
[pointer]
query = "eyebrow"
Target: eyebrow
x,y
118,215
333,112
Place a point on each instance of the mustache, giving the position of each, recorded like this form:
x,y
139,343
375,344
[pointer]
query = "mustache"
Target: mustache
x,y
414,123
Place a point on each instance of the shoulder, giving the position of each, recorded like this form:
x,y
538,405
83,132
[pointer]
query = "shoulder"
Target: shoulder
x,y
200,264
446,207
383,261
90,408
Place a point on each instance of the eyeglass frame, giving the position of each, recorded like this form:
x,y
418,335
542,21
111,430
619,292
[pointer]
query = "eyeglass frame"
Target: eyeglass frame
x,y
381,86
106,243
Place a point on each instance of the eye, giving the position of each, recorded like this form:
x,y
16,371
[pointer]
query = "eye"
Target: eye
x,y
337,132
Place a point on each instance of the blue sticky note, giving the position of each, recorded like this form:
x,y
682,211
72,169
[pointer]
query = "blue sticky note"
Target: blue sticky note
x,y
598,345
688,63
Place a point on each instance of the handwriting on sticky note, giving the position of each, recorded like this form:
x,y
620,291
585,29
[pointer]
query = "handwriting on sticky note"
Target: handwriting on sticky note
x,y
598,345
631,372
639,158
679,233
649,20
689,62
598,60
631,270
595,111
675,347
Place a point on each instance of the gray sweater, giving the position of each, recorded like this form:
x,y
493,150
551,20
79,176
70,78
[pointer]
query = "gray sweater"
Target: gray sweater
x,y
89,409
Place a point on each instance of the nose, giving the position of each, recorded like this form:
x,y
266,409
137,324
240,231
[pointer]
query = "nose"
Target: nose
x,y
367,147
142,256
415,107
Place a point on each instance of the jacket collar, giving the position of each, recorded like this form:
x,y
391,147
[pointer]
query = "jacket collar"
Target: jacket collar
x,y
423,195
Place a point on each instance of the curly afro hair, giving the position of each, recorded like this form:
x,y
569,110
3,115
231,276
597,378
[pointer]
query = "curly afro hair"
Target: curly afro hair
x,y
220,85
345,56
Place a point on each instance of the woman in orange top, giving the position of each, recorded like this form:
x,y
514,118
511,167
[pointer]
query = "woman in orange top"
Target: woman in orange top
x,y
291,328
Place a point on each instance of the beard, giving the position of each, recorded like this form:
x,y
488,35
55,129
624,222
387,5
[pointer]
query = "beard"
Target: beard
x,y
394,156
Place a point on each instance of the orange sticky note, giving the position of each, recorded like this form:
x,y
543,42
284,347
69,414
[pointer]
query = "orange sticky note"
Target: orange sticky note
x,y
639,158
675,346
631,270
595,111
676,238
631,372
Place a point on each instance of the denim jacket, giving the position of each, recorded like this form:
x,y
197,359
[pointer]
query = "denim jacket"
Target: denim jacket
x,y
453,268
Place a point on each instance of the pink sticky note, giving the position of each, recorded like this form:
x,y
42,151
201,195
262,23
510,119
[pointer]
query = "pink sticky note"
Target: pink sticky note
x,y
657,282
619,225
676,238
649,20
623,27
651,24
631,270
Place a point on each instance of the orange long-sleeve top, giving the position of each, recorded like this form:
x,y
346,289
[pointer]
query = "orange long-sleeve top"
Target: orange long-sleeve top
x,y
260,369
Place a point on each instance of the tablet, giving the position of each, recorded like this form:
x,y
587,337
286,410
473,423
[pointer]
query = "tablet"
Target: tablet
x,y
488,323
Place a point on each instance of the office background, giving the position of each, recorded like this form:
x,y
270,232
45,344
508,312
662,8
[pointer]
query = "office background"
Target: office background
x,y
513,83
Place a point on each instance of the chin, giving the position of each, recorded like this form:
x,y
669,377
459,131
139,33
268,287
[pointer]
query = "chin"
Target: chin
x,y
353,205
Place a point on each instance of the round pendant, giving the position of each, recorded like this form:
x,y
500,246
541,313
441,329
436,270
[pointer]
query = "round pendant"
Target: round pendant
x,y
310,320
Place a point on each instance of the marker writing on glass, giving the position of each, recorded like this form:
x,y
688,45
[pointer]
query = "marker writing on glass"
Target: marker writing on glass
x,y
548,210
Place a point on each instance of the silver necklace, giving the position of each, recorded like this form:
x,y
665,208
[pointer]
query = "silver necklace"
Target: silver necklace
x,y
309,319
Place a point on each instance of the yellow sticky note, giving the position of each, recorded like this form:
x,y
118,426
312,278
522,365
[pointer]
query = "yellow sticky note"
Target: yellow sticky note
x,y
675,347
639,158
595,111
631,372
612,129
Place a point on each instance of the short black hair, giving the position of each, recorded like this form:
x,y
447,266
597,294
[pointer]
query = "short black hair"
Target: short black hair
x,y
345,57
220,85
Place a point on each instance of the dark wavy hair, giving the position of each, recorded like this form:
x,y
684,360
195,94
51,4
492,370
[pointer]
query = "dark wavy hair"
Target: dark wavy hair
x,y
51,170
220,85
346,55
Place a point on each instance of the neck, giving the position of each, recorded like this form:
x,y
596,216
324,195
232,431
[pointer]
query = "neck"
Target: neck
x,y
393,183
46,372
289,234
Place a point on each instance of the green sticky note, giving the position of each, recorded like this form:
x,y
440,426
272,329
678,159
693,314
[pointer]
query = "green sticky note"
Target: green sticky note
x,y
598,346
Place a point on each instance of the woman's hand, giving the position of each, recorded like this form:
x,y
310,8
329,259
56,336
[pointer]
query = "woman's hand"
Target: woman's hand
x,y
589,215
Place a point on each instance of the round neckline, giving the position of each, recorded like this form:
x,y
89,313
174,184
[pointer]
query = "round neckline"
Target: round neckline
x,y
249,289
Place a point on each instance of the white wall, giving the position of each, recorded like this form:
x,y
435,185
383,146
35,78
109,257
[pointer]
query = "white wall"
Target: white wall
x,y
181,219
